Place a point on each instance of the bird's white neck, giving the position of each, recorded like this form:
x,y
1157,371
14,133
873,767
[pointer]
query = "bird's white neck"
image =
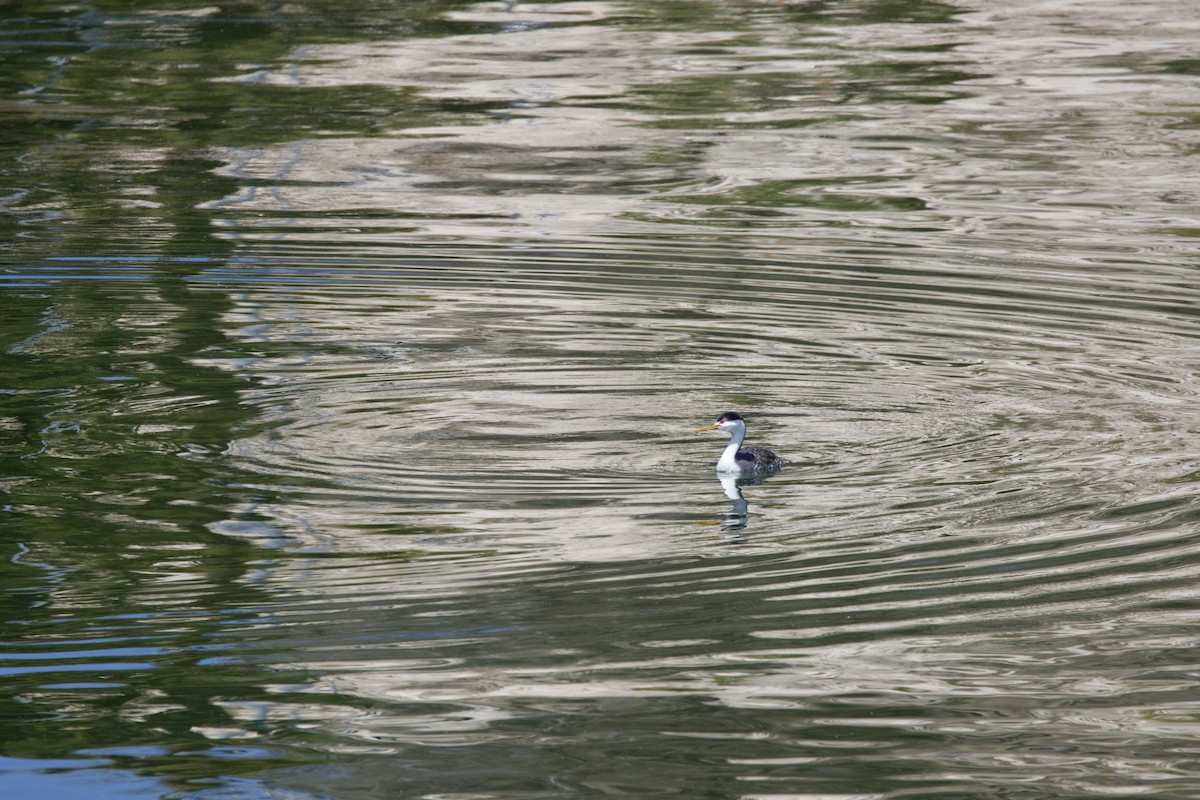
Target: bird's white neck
x,y
728,460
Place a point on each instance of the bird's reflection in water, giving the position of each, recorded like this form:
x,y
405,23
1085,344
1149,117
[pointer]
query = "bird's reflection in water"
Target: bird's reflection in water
x,y
733,522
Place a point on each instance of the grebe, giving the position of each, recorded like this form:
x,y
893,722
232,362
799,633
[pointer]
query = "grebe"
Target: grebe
x,y
737,458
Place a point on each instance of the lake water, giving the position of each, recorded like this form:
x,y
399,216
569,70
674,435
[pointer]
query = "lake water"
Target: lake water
x,y
351,354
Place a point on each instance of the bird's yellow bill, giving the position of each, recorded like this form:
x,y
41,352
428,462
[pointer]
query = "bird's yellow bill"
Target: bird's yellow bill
x,y
709,428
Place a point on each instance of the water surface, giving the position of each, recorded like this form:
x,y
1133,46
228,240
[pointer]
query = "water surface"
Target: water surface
x,y
351,356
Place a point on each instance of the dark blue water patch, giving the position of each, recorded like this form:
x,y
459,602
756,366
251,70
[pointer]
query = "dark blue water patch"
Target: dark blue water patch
x,y
58,269
8,764
64,654
105,667
99,779
74,779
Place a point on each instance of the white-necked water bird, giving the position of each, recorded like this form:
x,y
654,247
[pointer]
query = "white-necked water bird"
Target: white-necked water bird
x,y
737,458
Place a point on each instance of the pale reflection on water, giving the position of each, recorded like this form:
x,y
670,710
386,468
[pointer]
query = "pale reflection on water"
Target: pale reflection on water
x,y
736,517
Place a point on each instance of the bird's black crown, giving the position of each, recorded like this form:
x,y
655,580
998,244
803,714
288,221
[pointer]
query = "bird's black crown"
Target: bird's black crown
x,y
729,416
